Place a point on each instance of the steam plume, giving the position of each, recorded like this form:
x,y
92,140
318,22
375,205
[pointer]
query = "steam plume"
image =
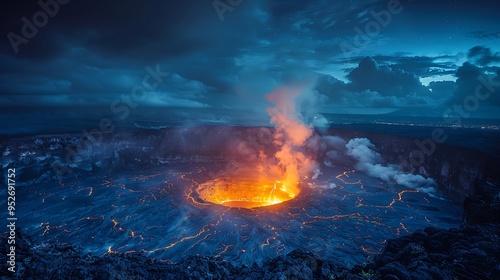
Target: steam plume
x,y
369,161
290,136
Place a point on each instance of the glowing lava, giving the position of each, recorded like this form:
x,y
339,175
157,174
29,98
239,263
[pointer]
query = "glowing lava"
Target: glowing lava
x,y
289,162
245,192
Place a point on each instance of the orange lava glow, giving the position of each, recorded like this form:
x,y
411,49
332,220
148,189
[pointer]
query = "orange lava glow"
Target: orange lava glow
x,y
245,192
288,164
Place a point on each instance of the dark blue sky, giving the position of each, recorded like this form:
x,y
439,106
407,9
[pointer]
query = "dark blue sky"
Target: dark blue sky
x,y
411,56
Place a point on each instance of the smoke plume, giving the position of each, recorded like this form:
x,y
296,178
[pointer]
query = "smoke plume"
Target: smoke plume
x,y
291,135
370,161
297,146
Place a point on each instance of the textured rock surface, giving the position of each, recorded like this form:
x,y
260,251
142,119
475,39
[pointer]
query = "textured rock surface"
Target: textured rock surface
x,y
471,252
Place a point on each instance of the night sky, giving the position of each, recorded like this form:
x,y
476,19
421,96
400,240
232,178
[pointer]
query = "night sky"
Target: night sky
x,y
360,57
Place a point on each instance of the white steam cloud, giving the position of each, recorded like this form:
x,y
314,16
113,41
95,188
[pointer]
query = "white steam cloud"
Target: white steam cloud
x,y
370,161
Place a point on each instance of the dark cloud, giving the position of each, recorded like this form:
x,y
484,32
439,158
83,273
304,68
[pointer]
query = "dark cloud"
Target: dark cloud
x,y
369,75
374,99
471,77
331,87
375,85
98,50
92,52
483,56
319,19
153,29
424,66
442,89
421,66
485,35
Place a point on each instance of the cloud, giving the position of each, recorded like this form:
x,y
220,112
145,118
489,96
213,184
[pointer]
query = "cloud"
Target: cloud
x,y
322,18
369,161
421,66
361,150
374,99
485,35
369,75
377,86
98,87
372,85
185,37
483,56
183,87
331,87
469,78
442,89
333,148
333,142
74,60
162,99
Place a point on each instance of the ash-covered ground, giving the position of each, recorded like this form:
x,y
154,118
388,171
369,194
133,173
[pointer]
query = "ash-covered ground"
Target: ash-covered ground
x,y
343,215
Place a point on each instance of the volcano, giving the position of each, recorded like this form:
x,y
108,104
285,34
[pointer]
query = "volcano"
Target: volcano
x,y
171,203
241,194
